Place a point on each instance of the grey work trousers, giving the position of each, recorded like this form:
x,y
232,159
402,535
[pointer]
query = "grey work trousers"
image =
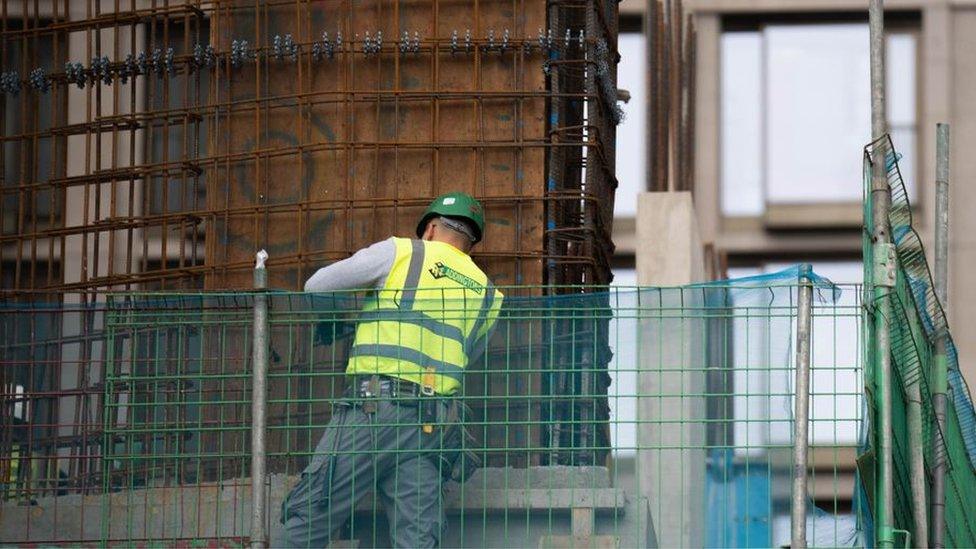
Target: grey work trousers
x,y
384,453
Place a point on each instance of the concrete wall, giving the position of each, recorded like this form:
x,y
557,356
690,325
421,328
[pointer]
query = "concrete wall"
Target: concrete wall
x,y
532,507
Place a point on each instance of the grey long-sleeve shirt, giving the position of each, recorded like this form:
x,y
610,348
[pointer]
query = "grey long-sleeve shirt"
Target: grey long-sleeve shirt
x,y
367,268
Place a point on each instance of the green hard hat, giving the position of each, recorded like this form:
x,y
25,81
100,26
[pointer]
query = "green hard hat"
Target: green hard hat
x,y
456,206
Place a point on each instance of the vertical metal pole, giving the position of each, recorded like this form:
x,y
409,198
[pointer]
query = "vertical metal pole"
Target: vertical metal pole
x,y
884,272
940,383
916,460
259,404
801,412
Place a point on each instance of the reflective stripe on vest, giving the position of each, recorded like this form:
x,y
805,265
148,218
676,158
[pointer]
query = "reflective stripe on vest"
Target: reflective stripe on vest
x,y
479,323
398,352
417,255
417,318
401,333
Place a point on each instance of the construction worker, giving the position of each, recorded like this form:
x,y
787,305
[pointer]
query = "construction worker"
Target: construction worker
x,y
398,432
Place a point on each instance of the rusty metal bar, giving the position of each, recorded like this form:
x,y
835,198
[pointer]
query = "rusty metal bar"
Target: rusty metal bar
x,y
671,106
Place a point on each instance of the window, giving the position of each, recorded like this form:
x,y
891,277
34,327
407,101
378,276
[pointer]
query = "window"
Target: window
x,y
741,67
796,113
630,133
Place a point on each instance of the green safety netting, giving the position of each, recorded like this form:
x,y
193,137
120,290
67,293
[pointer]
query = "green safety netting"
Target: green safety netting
x,y
917,320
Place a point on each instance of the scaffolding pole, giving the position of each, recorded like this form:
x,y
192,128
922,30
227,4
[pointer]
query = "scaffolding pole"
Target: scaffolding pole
x,y
884,274
801,413
940,375
259,405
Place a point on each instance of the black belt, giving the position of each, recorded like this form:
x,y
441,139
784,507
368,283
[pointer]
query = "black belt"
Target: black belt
x,y
385,386
368,388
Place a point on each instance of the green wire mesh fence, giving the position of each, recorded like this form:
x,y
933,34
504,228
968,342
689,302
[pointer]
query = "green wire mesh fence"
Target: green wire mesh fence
x,y
620,417
916,324
599,417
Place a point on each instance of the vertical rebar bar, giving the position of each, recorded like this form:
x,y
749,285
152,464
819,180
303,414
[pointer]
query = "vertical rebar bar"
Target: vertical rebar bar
x,y
650,54
884,274
940,374
259,403
801,412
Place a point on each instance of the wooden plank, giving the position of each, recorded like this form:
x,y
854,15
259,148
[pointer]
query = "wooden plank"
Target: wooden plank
x,y
582,520
504,500
572,542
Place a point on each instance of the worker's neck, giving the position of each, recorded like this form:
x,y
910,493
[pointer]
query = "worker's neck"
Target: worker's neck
x,y
464,247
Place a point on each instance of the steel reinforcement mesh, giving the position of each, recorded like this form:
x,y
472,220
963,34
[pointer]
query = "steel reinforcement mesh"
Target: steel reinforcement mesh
x,y
157,145
152,144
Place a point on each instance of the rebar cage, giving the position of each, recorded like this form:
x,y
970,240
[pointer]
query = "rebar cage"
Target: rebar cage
x,y
692,446
156,144
153,144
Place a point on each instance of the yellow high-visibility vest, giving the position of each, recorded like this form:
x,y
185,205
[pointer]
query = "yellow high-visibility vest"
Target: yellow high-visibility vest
x,y
430,318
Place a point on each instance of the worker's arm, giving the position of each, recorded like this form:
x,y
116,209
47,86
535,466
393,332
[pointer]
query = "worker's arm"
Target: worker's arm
x,y
367,268
487,329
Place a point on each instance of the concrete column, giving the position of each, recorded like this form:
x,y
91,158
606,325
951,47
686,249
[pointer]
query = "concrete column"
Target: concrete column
x,y
669,245
708,154
670,376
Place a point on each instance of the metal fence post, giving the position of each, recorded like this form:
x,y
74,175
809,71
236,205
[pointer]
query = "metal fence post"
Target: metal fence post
x,y
916,461
884,273
801,412
940,375
259,404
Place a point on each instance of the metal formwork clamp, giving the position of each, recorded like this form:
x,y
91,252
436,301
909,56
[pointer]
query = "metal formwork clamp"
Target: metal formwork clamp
x,y
405,42
454,42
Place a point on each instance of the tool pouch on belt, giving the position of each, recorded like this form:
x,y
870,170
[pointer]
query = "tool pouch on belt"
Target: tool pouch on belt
x,y
461,461
466,462
429,412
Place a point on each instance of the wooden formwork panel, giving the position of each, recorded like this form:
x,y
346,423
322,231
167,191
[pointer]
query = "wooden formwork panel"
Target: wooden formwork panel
x,y
325,157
